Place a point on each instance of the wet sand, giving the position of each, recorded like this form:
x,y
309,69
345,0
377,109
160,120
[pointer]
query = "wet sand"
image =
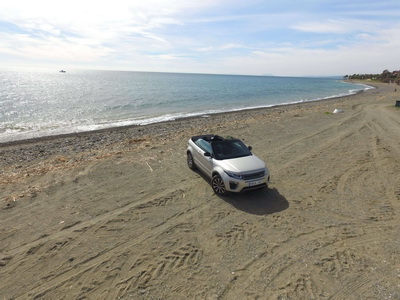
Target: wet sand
x,y
117,214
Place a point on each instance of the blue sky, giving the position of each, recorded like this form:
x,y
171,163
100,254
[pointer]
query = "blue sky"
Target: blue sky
x,y
278,37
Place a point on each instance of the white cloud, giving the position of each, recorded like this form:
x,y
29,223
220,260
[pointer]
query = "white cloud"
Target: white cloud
x,y
222,47
337,26
211,36
358,58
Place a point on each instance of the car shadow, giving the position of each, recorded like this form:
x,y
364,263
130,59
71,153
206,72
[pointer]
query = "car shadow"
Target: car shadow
x,y
258,202
264,201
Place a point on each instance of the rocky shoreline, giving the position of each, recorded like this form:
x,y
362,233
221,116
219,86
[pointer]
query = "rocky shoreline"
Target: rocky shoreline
x,y
30,150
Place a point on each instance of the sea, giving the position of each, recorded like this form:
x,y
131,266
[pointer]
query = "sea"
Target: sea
x,y
37,103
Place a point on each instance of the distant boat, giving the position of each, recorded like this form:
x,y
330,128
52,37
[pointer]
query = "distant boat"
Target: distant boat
x,y
62,71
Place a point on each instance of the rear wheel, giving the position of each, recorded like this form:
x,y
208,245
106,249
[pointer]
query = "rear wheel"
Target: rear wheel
x,y
218,185
190,161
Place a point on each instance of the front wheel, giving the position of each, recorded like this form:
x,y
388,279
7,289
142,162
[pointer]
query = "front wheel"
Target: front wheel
x,y
218,185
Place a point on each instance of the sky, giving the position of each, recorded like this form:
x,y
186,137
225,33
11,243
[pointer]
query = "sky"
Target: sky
x,y
250,37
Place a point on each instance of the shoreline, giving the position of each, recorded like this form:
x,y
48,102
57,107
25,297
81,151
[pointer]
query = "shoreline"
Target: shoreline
x,y
22,152
200,115
27,151
179,119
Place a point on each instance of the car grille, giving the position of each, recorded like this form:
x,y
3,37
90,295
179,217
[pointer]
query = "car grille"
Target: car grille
x,y
253,175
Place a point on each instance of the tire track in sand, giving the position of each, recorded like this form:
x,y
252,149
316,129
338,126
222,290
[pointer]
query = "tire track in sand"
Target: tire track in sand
x,y
72,270
290,270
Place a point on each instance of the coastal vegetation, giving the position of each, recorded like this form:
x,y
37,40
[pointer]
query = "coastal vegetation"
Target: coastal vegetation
x,y
386,76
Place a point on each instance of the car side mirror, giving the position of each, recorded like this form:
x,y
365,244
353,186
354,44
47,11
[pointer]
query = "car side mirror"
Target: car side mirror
x,y
208,154
250,148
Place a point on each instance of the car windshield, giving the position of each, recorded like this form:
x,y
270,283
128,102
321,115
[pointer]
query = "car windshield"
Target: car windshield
x,y
227,149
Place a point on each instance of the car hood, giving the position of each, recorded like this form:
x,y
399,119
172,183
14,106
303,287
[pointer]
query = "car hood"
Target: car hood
x,y
242,164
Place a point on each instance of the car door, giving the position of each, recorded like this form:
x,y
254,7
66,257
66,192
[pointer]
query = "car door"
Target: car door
x,y
204,162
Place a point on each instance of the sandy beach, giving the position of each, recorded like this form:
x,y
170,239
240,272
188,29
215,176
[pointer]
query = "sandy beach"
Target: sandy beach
x,y
117,214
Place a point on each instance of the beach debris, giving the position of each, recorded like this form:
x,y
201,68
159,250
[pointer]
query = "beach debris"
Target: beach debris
x,y
62,158
397,103
338,110
151,169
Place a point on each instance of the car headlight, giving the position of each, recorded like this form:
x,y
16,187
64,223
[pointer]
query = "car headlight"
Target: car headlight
x,y
234,175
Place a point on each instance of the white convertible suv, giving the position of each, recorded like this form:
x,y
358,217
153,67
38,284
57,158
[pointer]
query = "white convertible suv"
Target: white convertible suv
x,y
228,162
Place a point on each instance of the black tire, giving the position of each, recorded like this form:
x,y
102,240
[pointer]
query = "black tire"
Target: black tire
x,y
218,185
190,161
